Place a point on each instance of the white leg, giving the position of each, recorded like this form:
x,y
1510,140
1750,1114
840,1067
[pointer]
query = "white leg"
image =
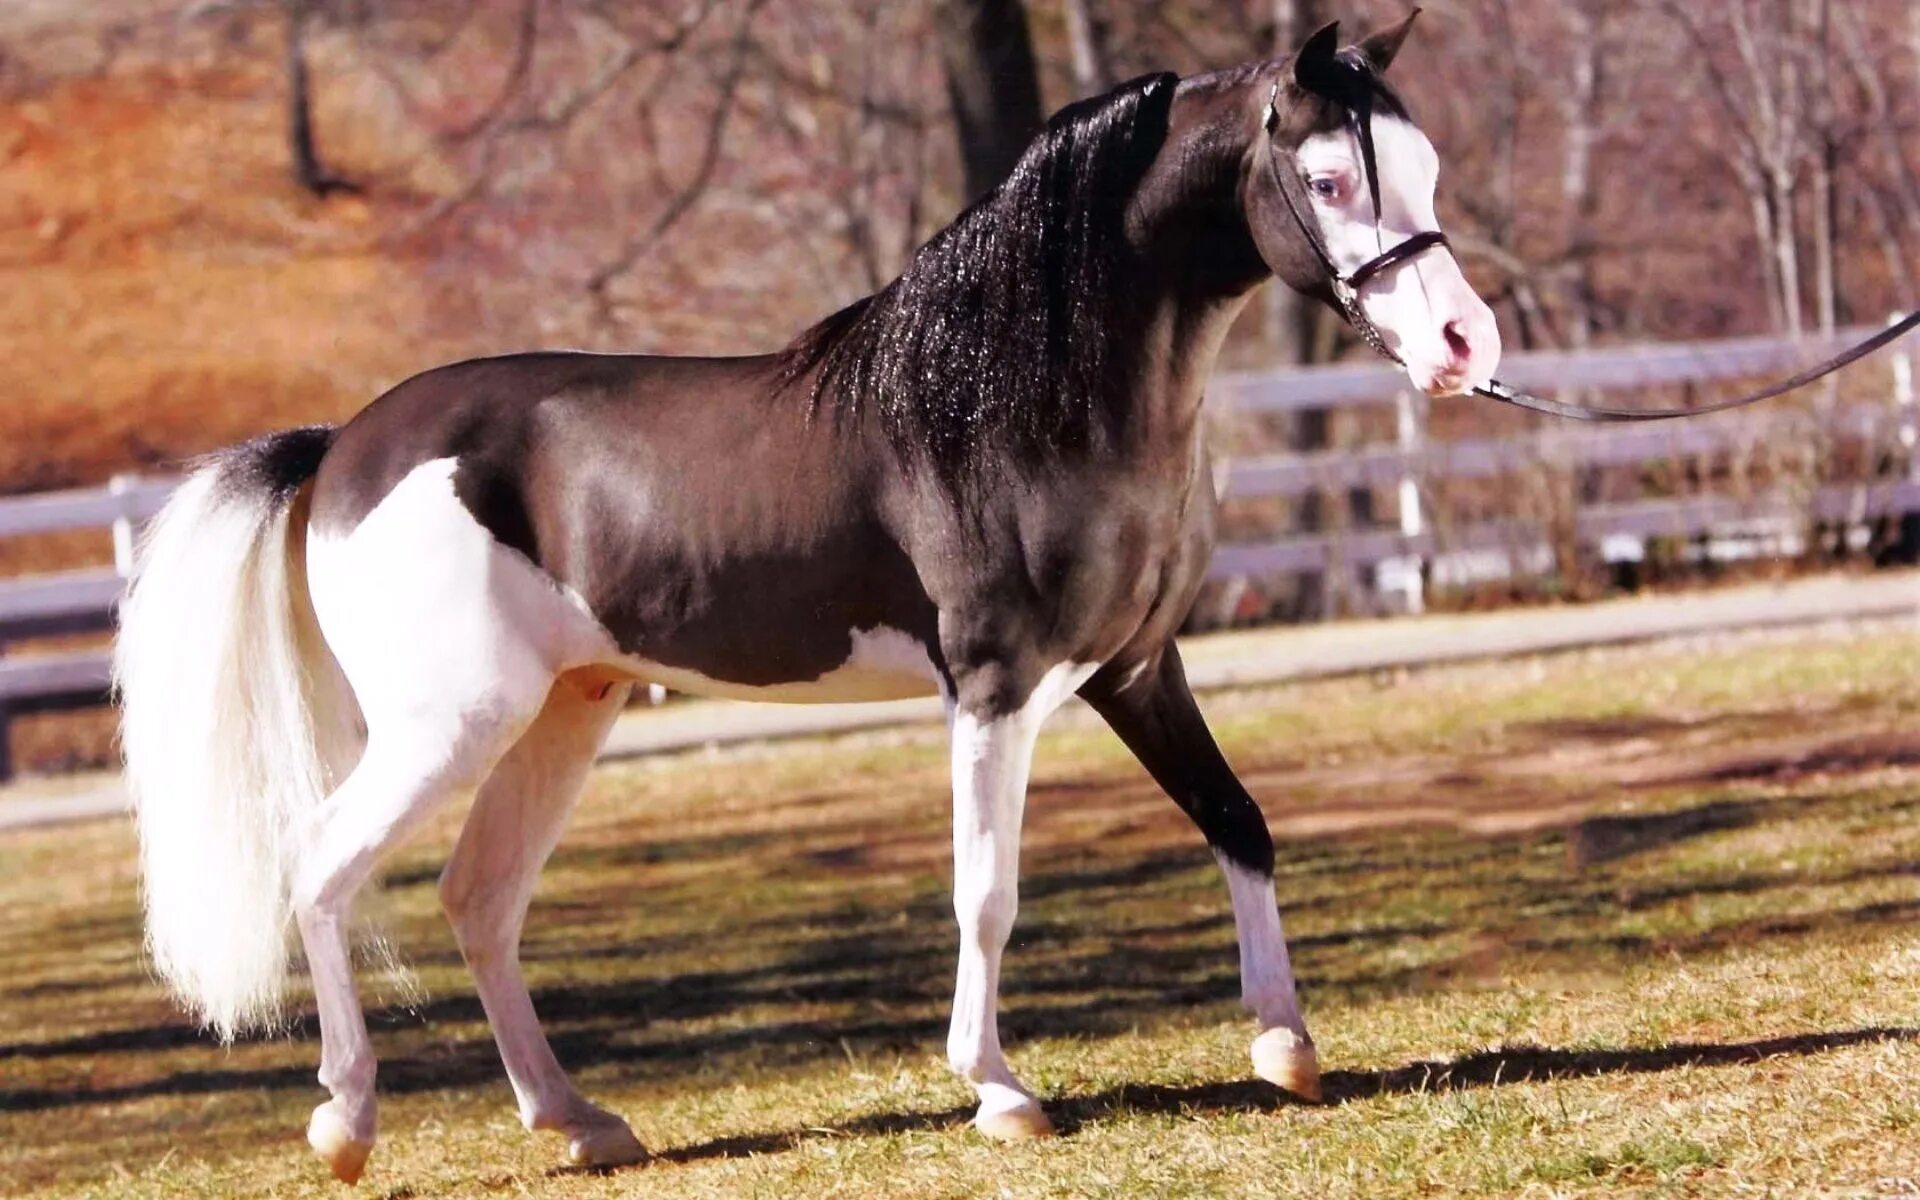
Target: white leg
x,y
990,764
406,771
516,822
1283,1053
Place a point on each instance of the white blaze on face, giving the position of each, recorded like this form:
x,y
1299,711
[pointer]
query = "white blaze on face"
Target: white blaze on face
x,y
1429,314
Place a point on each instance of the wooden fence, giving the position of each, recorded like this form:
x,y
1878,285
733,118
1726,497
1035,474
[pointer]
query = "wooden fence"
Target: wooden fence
x,y
1403,554
1400,555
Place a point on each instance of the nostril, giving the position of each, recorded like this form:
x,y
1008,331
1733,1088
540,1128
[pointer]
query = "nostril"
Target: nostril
x,y
1455,332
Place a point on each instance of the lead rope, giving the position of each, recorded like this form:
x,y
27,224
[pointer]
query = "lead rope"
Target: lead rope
x,y
1346,293
1493,389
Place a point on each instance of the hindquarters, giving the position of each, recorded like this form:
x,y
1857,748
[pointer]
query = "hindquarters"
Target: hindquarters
x,y
454,646
420,602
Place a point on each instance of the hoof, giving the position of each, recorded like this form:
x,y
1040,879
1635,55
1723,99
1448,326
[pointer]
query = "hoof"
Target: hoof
x,y
610,1144
1020,1122
345,1154
1287,1060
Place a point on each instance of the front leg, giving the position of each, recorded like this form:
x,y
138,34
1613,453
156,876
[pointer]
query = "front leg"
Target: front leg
x,y
1151,708
995,721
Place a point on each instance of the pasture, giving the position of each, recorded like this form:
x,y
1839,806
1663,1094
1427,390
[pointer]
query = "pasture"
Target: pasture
x,y
1633,921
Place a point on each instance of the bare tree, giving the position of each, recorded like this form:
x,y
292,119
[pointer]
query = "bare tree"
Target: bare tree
x,y
1891,203
992,83
690,192
308,170
1580,113
1087,44
1762,95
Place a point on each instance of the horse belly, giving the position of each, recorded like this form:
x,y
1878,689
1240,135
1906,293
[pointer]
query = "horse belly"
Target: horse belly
x,y
882,664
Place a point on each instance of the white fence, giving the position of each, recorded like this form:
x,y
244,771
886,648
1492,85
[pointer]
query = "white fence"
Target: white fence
x,y
68,602
1401,554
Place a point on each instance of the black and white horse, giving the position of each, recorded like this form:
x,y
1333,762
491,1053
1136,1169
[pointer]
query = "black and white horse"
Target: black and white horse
x,y
986,481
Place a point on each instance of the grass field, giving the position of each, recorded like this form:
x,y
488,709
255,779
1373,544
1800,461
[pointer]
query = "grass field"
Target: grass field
x,y
1621,922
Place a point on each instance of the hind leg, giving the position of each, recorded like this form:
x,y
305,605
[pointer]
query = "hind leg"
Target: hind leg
x,y
407,770
517,819
451,644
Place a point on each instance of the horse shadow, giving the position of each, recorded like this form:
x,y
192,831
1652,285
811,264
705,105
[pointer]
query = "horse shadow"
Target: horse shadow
x,y
885,973
1485,1069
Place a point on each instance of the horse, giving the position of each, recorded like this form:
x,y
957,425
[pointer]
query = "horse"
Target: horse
x,y
986,481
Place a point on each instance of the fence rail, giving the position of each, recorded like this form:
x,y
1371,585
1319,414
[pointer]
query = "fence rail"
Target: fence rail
x,y
1401,553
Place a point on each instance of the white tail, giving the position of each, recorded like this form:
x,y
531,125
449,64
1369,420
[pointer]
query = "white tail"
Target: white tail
x,y
235,721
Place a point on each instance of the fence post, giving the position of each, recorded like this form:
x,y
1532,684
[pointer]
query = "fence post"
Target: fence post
x,y
1907,431
1402,577
123,525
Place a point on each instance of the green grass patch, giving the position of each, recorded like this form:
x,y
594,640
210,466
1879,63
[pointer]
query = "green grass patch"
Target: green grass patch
x,y
1633,921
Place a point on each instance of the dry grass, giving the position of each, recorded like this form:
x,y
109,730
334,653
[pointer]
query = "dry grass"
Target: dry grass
x,y
1625,922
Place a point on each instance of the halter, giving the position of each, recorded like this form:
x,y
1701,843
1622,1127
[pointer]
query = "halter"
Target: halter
x,y
1358,101
1347,284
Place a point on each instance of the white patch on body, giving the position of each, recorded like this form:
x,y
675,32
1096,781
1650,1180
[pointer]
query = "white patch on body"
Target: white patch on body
x,y
440,562
1414,302
451,643
420,597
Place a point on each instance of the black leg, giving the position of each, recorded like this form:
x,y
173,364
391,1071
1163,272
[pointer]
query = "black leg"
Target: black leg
x,y
1152,709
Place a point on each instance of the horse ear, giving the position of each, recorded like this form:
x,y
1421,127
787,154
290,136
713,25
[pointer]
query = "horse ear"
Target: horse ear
x,y
1379,47
1314,66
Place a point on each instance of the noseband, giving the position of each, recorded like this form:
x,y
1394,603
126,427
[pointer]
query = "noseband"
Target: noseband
x,y
1346,285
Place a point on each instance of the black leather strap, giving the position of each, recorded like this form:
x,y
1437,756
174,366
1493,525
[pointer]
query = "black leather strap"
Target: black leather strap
x,y
1495,390
1346,287
1432,238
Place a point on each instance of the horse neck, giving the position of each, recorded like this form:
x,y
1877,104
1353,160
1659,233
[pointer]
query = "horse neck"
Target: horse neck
x,y
1197,260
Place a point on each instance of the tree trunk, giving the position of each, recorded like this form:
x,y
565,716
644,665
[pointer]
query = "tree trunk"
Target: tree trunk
x,y
307,167
1874,206
1786,246
1289,321
992,84
1581,110
1760,203
1826,161
1087,39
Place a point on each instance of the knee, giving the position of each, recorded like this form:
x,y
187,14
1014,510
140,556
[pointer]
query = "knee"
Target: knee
x,y
456,897
986,914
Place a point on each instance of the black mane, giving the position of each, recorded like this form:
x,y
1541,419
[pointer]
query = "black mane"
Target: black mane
x,y
1000,335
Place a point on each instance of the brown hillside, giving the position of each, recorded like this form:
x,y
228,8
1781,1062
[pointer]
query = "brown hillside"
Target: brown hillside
x,y
147,310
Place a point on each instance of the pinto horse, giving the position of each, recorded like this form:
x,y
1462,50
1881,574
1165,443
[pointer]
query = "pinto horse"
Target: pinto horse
x,y
987,481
